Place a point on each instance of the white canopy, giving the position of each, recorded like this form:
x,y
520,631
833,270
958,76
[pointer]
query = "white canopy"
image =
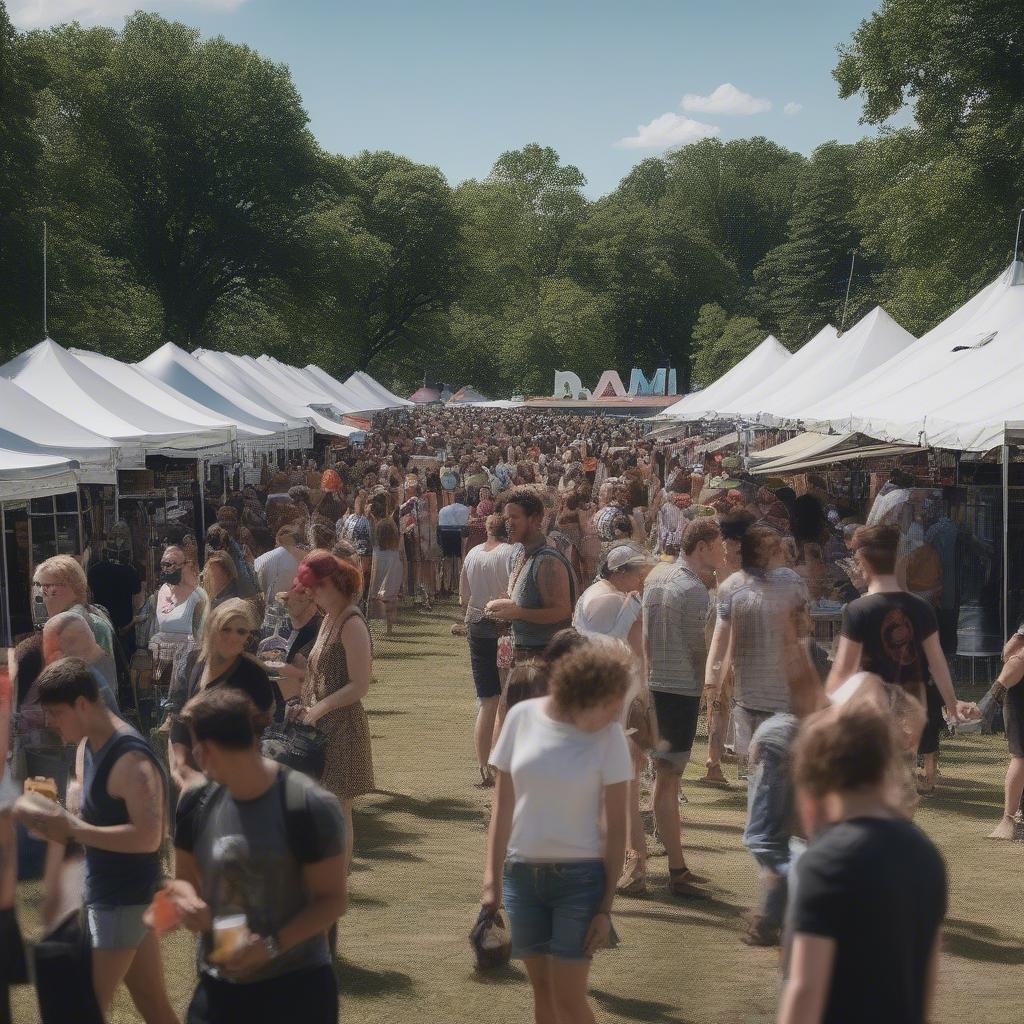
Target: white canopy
x,y
872,341
360,381
748,373
189,377
252,381
955,388
305,384
360,399
62,382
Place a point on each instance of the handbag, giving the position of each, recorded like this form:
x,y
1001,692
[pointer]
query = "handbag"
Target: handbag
x,y
63,974
491,940
296,745
641,724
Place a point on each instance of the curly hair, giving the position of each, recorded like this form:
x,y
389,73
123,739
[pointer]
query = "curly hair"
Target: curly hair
x,y
320,566
590,676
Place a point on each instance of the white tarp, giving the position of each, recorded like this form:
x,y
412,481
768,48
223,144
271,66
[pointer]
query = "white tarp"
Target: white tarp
x,y
748,373
313,377
872,341
361,400
251,380
360,381
180,372
298,382
66,384
955,388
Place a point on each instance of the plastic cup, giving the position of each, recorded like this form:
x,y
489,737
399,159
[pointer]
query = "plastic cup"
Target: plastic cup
x,y
230,934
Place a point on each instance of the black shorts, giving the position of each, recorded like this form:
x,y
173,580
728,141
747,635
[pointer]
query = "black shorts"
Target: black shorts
x,y
261,1002
1013,719
677,716
934,722
483,658
450,539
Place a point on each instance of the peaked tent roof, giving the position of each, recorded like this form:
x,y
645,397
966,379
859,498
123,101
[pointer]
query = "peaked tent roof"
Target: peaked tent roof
x,y
753,368
314,391
425,396
750,402
136,381
59,380
180,372
363,381
468,395
872,341
359,400
958,386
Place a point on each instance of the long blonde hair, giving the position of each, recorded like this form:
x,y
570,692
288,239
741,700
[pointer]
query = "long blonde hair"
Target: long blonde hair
x,y
233,608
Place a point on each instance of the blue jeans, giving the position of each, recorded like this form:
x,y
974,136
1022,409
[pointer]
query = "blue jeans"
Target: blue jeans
x,y
770,810
550,906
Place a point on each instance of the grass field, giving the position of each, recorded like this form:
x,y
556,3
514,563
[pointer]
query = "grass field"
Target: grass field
x,y
419,856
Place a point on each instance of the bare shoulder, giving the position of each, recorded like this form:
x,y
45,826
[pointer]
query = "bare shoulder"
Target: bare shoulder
x,y
134,772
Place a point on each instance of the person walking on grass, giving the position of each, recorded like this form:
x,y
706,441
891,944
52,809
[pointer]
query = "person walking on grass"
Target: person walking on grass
x,y
267,844
676,605
121,826
870,891
558,829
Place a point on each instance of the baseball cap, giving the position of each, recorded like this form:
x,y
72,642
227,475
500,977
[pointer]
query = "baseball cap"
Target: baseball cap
x,y
626,555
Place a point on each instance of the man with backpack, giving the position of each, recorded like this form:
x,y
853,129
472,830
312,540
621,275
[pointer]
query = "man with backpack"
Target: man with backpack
x,y
260,875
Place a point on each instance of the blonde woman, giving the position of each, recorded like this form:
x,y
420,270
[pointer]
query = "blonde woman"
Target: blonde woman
x,y
219,578
222,661
64,588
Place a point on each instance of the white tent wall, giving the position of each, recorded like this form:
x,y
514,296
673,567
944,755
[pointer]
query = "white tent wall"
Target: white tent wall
x,y
749,372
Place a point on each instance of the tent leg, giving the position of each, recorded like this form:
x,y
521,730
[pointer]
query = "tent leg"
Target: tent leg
x,y
1006,539
8,638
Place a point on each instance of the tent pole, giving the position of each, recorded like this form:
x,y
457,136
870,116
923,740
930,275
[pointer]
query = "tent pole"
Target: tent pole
x,y
1006,538
8,637
849,282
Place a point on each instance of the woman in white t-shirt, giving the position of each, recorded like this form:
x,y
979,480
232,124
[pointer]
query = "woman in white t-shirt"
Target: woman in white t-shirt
x,y
563,767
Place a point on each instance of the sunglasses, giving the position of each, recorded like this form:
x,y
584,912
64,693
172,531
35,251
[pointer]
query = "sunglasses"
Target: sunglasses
x,y
238,630
50,588
172,565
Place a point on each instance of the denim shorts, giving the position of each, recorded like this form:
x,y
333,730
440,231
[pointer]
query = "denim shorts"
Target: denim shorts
x,y
116,927
550,906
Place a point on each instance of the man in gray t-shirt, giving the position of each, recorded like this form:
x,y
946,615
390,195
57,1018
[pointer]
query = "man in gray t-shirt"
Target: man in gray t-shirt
x,y
267,843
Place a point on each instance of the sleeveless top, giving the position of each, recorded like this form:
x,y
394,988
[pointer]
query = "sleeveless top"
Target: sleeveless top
x,y
179,618
523,589
116,879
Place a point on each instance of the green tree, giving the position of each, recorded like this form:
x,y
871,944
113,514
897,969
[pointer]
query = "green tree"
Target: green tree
x,y
720,342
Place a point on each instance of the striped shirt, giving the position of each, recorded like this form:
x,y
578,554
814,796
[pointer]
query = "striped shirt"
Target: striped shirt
x,y
675,608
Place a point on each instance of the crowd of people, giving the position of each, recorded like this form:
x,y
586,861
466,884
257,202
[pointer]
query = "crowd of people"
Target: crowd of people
x,y
612,593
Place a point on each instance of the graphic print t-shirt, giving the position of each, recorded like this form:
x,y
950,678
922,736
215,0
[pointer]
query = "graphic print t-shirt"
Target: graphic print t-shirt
x,y
892,629
247,865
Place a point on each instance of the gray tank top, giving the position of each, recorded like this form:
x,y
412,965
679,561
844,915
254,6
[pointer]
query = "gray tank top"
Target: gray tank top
x,y
526,594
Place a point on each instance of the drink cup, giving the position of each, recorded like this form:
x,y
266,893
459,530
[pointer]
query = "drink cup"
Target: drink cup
x,y
42,786
230,934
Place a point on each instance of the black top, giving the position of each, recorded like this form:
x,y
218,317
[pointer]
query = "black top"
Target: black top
x,y
115,879
892,629
302,640
248,675
877,886
113,585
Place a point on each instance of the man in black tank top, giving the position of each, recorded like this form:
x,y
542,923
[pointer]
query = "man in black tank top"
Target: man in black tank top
x,y
124,810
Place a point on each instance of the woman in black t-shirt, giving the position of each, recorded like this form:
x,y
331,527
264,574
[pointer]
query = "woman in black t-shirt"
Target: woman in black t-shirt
x,y
222,661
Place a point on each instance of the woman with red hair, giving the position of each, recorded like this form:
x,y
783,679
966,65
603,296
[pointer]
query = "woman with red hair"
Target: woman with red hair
x,y
338,678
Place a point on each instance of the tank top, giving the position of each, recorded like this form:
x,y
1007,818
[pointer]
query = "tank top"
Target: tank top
x,y
524,591
179,618
116,879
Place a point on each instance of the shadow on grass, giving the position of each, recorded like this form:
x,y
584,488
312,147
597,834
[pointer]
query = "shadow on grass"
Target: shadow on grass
x,y
379,839
438,809
992,810
647,1010
498,975
682,918
355,982
981,942
385,712
714,826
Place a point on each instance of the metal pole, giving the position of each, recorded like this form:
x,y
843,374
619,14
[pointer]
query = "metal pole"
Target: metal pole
x,y
46,329
1006,539
8,636
849,281
1016,241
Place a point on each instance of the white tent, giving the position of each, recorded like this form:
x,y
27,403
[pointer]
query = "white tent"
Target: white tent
x,y
297,382
64,383
180,372
360,398
360,381
955,388
750,403
872,341
320,382
144,386
748,373
251,380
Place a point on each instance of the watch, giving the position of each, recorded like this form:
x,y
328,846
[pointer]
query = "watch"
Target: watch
x,y
271,945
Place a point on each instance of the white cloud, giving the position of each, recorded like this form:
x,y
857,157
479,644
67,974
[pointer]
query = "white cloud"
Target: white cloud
x,y
668,130
28,14
726,99
791,109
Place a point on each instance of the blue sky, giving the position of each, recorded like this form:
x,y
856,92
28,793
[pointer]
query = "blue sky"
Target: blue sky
x,y
455,83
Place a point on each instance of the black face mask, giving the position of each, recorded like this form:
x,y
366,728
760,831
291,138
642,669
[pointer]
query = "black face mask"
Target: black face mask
x,y
172,579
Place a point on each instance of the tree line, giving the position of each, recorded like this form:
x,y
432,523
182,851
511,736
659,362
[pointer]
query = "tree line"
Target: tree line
x,y
186,199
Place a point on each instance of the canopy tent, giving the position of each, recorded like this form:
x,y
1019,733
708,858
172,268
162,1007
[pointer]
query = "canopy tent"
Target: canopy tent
x,y
25,475
136,381
747,404
62,382
956,388
425,396
388,399
189,377
251,379
872,341
468,395
813,450
357,399
748,373
315,391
